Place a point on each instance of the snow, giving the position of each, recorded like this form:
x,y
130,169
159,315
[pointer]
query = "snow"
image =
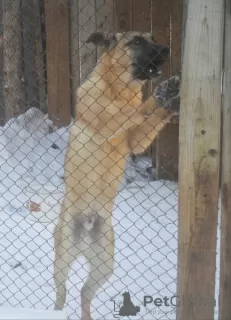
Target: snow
x,y
145,223
31,314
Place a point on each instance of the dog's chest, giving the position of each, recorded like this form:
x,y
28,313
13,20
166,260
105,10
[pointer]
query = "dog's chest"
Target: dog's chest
x,y
111,115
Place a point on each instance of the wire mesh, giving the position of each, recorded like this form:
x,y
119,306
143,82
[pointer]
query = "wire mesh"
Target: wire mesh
x,y
115,244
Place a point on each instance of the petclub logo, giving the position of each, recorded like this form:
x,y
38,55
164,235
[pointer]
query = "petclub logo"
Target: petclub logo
x,y
124,307
160,302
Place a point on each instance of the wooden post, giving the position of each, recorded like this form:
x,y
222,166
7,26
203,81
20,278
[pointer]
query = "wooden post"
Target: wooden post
x,y
74,51
14,98
2,100
40,58
58,61
28,11
200,124
225,265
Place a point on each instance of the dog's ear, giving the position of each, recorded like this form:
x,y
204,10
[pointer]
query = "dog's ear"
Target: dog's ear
x,y
101,39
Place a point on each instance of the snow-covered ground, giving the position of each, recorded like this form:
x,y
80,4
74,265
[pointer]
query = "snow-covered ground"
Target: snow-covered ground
x,y
145,224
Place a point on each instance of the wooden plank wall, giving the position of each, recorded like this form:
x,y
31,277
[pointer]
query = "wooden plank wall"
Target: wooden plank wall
x,y
58,61
28,14
40,53
13,95
22,68
74,51
87,25
68,24
2,99
167,27
164,20
86,16
161,31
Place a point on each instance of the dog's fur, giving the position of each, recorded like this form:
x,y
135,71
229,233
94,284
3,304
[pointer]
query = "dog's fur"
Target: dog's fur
x,y
111,122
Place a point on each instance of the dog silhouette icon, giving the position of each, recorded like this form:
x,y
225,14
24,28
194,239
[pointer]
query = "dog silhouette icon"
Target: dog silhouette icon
x,y
128,308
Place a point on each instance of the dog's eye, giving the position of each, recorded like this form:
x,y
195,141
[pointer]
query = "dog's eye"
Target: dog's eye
x,y
137,40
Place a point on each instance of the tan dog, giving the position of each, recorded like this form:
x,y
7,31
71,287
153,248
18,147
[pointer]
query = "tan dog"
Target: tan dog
x,y
111,122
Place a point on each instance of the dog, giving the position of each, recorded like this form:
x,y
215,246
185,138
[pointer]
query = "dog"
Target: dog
x,y
111,122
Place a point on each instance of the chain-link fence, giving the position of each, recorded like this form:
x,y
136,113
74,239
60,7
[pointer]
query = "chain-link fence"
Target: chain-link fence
x,y
100,165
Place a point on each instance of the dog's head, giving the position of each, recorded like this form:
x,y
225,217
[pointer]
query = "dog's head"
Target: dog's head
x,y
136,52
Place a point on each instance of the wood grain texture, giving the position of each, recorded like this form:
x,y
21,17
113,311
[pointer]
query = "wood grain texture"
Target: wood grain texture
x,y
123,15
58,61
142,21
28,13
12,59
161,13
200,125
141,15
74,51
167,142
177,7
87,25
2,100
40,56
104,19
225,262
168,153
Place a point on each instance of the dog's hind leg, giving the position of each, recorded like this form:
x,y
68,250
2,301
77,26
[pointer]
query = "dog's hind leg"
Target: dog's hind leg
x,y
61,271
101,263
65,255
101,254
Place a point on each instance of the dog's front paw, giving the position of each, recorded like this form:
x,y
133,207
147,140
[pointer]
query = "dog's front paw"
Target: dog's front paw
x,y
173,106
167,94
173,87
